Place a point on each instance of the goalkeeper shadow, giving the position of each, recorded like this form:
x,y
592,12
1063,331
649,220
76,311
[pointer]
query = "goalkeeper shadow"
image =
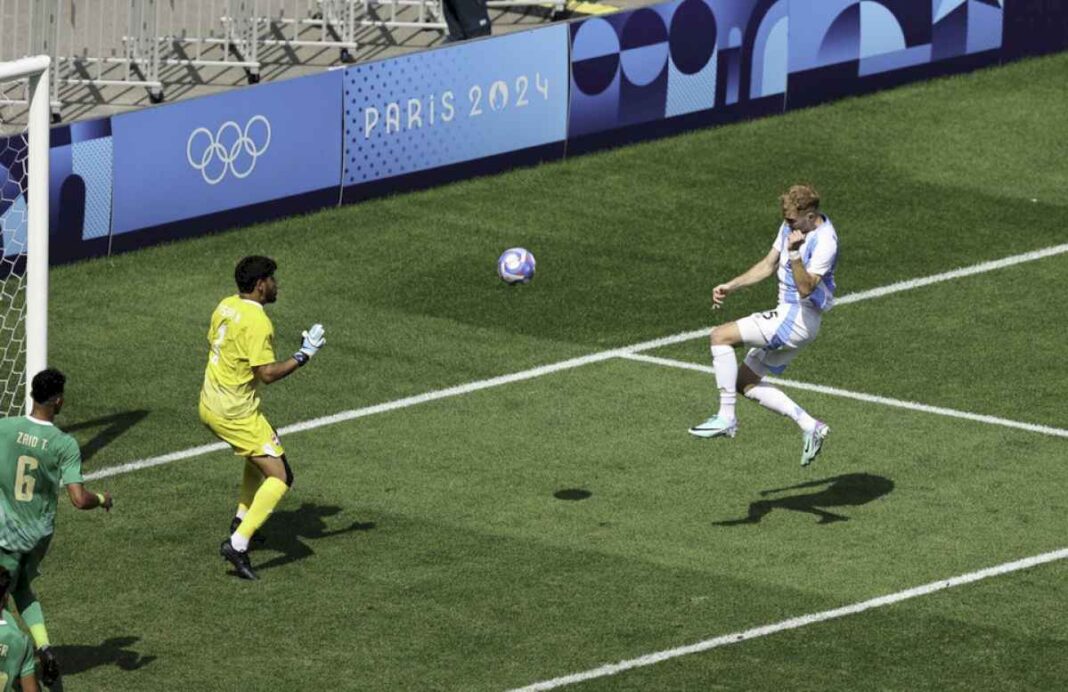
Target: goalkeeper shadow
x,y
289,531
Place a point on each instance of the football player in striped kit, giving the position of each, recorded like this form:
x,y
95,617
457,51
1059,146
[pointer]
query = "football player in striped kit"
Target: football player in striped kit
x,y
803,256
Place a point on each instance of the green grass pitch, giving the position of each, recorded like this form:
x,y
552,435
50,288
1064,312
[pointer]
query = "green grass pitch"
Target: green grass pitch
x,y
423,548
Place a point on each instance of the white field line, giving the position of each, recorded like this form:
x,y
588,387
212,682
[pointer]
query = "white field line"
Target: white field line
x,y
955,274
860,396
370,410
796,622
566,365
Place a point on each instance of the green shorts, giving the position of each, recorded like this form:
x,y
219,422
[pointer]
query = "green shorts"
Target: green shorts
x,y
25,566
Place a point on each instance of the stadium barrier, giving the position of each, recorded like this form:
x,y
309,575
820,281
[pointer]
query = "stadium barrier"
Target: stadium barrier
x,y
228,159
449,113
467,109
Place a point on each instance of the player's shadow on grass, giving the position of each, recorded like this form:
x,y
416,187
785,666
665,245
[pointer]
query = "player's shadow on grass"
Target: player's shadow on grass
x,y
77,658
848,490
288,532
111,427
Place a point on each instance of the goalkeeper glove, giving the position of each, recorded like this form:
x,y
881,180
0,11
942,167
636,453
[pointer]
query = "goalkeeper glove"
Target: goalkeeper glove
x,y
310,345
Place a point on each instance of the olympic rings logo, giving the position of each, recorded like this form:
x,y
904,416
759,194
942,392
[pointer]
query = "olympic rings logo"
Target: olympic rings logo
x,y
229,149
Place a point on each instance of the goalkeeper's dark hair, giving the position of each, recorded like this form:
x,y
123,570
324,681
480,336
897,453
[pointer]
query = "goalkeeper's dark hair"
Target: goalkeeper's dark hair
x,y
5,583
47,385
251,269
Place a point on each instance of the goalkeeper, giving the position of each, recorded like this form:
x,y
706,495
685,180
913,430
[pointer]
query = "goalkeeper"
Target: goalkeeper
x,y
241,354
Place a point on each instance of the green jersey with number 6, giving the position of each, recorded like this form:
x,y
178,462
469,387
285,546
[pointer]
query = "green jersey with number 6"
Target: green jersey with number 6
x,y
36,458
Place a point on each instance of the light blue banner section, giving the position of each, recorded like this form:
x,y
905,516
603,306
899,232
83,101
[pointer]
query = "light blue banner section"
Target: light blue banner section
x,y
225,152
92,160
455,104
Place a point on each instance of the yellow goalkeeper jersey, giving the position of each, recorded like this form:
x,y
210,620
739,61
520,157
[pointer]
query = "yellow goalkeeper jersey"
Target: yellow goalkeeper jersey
x,y
241,337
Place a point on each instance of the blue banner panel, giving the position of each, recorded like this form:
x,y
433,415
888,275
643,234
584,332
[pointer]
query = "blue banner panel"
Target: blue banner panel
x,y
677,59
228,152
80,190
79,198
837,45
457,104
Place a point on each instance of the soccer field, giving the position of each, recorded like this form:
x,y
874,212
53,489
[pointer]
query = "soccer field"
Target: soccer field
x,y
427,544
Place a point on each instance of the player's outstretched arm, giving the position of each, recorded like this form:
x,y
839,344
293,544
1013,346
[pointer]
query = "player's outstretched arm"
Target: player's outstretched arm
x,y
312,340
755,274
83,499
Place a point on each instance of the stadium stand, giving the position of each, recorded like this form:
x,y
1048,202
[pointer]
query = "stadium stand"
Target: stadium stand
x,y
115,55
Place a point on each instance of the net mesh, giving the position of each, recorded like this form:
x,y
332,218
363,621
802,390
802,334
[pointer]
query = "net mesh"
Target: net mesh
x,y
14,152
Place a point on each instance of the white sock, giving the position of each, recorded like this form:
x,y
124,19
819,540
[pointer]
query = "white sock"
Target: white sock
x,y
241,512
239,542
776,400
726,368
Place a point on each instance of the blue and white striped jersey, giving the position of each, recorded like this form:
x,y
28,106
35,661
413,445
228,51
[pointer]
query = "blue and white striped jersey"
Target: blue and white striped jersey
x,y
819,253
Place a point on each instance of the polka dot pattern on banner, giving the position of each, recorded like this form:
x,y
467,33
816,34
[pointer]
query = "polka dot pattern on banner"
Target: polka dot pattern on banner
x,y
460,103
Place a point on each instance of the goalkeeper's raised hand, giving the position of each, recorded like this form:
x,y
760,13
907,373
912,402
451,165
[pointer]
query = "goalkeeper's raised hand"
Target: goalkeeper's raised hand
x,y
313,340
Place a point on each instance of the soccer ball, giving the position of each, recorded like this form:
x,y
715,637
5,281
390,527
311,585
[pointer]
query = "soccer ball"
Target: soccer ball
x,y
516,266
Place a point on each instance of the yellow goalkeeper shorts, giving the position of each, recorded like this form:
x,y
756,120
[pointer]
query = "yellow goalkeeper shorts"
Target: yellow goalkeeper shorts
x,y
250,437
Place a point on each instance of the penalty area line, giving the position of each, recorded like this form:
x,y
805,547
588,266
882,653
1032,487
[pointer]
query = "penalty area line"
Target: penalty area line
x,y
566,364
860,396
370,411
796,622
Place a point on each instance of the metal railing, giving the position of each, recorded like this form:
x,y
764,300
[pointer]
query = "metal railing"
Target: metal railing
x,y
130,43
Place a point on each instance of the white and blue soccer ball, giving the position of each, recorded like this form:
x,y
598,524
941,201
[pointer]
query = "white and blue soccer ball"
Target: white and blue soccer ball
x,y
516,266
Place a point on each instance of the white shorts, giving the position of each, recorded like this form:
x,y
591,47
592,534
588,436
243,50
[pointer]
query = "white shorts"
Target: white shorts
x,y
777,336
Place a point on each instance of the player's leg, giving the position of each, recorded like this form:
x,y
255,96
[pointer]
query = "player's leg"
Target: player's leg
x,y
723,340
270,493
813,432
244,436
12,562
760,362
755,330
30,611
255,439
751,382
251,479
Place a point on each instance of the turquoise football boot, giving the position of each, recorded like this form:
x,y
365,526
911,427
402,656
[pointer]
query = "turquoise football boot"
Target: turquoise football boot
x,y
715,427
814,443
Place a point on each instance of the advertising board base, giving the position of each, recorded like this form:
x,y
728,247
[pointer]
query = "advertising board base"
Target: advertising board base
x,y
420,180
225,220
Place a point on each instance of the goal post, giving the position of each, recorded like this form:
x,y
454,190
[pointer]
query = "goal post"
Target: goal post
x,y
24,225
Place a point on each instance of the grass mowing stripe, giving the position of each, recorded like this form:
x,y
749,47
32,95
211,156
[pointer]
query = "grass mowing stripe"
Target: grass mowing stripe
x,y
955,274
371,410
800,621
889,289
572,363
860,396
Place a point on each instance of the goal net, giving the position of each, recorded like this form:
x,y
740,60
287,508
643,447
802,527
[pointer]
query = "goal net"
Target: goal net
x,y
24,124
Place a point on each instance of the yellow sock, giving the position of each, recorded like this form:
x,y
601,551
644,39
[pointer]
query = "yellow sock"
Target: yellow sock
x,y
40,635
250,483
267,498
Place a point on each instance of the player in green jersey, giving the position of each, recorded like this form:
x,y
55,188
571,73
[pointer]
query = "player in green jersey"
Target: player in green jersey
x,y
36,458
16,651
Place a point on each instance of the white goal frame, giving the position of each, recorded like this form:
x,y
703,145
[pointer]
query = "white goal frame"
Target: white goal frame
x,y
36,71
